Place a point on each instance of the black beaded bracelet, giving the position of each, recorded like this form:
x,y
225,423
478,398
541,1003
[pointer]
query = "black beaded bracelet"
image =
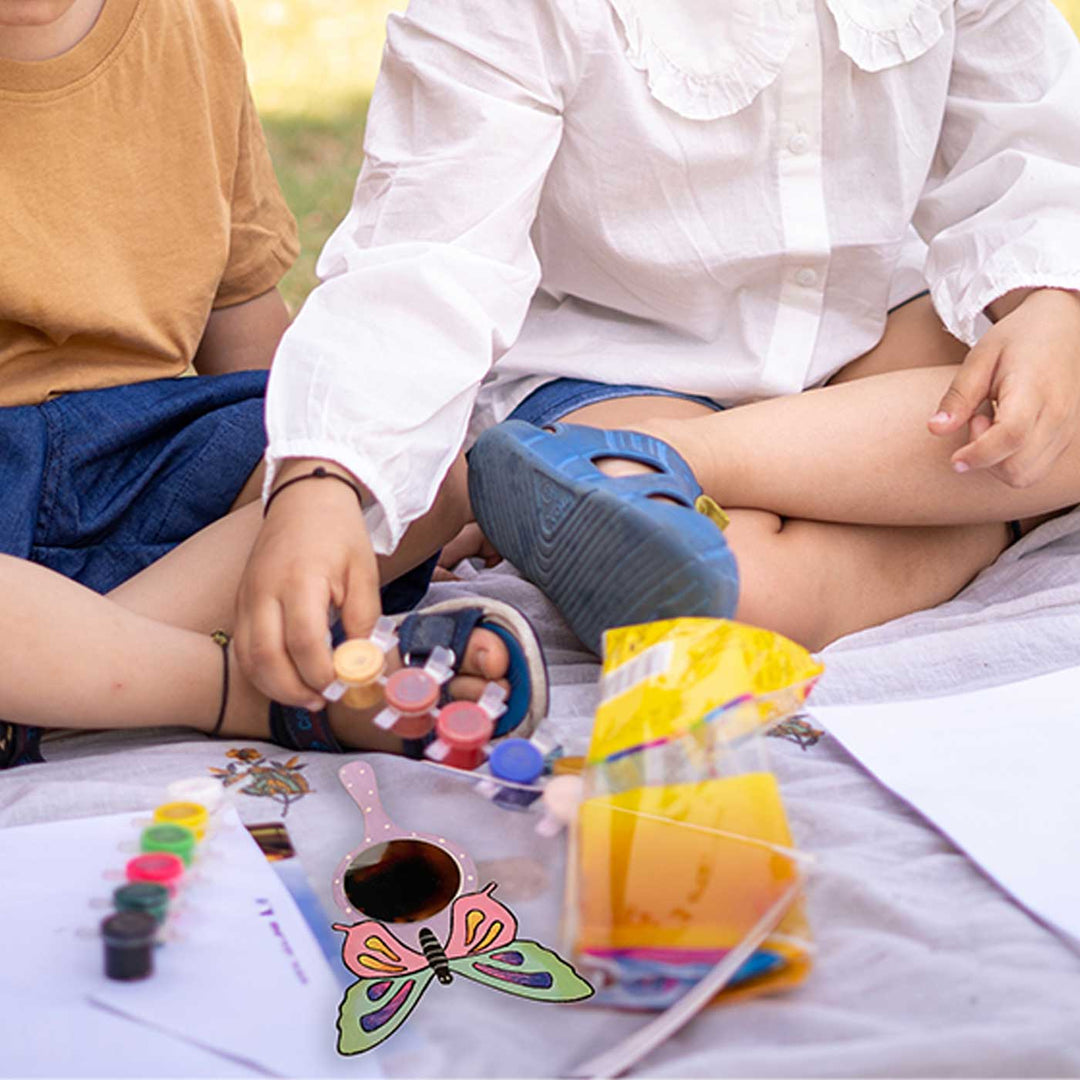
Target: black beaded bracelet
x,y
318,473
220,637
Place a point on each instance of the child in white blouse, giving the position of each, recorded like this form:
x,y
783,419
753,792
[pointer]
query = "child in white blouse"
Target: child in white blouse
x,y
679,205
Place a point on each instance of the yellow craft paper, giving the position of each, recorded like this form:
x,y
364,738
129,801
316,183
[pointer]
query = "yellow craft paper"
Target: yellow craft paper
x,y
662,679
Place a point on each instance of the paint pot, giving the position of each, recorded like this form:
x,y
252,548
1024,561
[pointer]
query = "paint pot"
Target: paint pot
x,y
562,797
158,868
520,762
143,896
191,815
202,790
129,945
463,729
359,664
176,839
411,695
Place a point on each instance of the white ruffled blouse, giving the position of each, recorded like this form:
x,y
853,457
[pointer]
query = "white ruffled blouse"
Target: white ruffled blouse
x,y
711,196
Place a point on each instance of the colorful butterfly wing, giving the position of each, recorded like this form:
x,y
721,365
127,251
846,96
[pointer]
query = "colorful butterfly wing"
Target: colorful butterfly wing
x,y
372,1011
373,952
525,969
479,923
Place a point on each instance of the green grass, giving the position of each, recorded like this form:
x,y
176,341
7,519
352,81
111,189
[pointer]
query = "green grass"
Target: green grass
x,y
317,159
313,64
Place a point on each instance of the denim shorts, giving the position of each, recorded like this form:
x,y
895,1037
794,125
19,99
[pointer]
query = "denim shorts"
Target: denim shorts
x,y
554,400
98,484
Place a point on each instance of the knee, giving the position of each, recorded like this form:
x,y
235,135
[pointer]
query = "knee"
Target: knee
x,y
780,588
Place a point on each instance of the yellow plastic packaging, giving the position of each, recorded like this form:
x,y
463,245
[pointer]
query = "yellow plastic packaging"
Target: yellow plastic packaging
x,y
682,848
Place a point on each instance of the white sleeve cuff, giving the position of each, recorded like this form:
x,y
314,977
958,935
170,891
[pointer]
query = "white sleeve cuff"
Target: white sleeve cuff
x,y
961,298
383,520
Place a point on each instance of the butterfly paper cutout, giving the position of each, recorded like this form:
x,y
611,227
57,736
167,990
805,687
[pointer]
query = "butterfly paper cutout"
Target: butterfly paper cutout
x,y
482,946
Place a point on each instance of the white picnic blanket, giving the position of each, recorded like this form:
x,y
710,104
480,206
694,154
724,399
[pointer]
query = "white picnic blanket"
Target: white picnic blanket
x,y
924,968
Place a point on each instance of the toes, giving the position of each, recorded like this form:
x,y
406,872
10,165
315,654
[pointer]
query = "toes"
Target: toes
x,y
470,687
486,656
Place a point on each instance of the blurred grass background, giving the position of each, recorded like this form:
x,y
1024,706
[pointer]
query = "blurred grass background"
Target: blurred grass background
x,y
313,65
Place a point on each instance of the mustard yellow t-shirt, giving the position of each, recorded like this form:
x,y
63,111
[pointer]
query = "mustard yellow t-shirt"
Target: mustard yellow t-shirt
x,y
136,195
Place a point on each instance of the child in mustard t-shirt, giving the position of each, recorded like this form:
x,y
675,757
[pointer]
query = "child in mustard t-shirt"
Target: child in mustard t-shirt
x,y
143,234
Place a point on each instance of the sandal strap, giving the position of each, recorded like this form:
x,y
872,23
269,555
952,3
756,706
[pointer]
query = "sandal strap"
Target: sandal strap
x,y
300,729
673,476
419,635
650,485
19,745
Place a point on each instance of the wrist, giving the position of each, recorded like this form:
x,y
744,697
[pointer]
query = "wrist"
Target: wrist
x,y
291,467
317,474
1011,301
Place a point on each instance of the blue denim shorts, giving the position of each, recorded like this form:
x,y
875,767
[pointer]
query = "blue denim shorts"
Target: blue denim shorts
x,y
554,400
97,485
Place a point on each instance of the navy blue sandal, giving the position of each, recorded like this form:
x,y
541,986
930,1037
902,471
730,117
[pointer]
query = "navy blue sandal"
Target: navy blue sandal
x,y
603,549
447,624
19,745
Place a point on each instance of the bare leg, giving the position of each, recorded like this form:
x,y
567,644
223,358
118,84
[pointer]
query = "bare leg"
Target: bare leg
x,y
142,656
77,659
859,450
814,581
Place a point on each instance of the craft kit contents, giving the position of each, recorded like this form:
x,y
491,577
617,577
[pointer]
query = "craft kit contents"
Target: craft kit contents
x,y
274,842
562,796
681,849
360,667
158,868
412,694
191,815
240,975
518,761
203,790
567,766
177,839
396,875
443,926
128,937
463,729
144,896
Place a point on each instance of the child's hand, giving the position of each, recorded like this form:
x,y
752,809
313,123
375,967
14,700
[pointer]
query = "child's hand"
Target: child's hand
x,y
1026,369
312,551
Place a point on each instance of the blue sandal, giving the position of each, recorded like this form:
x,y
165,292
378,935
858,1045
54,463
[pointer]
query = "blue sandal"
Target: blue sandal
x,y
603,549
19,745
447,624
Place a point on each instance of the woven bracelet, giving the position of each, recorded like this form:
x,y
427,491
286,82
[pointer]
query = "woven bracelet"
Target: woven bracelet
x,y
318,473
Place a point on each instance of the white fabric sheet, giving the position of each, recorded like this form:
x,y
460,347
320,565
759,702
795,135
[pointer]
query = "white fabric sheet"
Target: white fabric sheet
x,y
925,968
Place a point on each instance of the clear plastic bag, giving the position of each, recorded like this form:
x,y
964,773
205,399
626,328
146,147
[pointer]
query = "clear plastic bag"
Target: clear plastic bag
x,y
681,851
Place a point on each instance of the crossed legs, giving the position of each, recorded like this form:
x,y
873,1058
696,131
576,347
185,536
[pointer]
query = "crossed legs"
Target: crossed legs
x,y
845,512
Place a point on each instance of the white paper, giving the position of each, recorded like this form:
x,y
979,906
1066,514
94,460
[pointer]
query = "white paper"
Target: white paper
x,y
244,976
58,1034
995,770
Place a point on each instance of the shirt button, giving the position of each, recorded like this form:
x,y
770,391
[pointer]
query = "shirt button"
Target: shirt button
x,y
806,277
799,144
